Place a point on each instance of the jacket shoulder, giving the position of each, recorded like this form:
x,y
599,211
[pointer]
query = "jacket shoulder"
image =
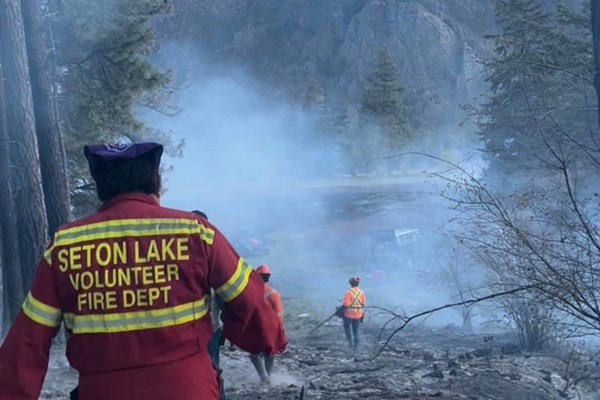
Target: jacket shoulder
x,y
175,213
159,212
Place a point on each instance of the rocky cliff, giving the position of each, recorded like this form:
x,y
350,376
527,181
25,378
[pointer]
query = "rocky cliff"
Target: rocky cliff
x,y
436,43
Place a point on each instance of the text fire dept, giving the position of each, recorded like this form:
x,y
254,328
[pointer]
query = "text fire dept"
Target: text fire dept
x,y
107,265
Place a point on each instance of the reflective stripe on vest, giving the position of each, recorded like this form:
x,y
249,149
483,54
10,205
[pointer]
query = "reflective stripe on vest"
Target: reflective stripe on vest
x,y
138,320
40,312
120,228
236,283
356,295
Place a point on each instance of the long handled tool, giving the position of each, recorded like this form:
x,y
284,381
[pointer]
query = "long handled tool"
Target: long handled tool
x,y
323,323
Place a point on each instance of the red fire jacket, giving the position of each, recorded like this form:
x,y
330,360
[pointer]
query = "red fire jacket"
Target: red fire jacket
x,y
131,284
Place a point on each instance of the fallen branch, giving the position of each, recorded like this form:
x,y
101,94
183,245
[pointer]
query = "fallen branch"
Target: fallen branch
x,y
407,319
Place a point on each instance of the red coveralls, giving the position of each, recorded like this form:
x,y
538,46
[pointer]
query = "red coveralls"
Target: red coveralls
x,y
132,284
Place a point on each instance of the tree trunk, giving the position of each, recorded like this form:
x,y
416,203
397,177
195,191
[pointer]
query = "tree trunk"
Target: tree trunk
x,y
12,285
51,146
20,123
596,37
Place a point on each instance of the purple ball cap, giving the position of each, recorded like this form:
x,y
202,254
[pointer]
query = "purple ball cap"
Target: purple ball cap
x,y
102,156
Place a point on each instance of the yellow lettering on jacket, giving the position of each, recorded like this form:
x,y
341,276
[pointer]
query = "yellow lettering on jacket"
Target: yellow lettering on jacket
x,y
103,256
95,301
172,272
87,248
74,257
133,273
136,251
167,251
153,254
182,249
146,297
63,260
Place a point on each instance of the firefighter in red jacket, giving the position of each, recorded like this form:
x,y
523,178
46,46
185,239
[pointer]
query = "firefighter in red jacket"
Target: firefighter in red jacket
x,y
132,283
263,363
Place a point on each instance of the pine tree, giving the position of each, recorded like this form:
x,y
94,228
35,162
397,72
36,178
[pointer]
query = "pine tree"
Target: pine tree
x,y
50,140
105,76
25,175
12,283
538,78
383,96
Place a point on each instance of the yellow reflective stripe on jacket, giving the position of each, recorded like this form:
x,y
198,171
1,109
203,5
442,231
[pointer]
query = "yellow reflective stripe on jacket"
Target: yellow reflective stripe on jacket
x,y
133,227
40,312
130,227
356,297
237,283
138,320
48,254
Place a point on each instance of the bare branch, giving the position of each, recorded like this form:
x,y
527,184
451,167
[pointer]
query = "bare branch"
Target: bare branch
x,y
406,320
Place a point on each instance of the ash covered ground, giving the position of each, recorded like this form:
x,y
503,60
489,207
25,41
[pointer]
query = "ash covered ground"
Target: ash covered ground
x,y
421,363
316,242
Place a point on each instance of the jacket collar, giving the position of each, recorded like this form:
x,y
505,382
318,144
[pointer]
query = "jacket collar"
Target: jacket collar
x,y
142,197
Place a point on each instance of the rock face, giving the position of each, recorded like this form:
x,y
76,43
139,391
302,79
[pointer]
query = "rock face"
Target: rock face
x,y
436,43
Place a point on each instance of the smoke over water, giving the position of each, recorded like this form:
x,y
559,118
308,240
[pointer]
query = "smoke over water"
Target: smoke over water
x,y
251,162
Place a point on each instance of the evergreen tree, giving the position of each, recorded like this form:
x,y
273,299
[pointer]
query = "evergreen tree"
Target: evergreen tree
x,y
538,77
12,283
50,140
383,97
105,78
24,175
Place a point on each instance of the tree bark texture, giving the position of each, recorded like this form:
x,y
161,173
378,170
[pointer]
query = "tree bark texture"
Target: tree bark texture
x,y
595,4
26,174
12,284
51,147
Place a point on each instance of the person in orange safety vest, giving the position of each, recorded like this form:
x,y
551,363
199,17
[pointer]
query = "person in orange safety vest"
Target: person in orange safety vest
x,y
131,283
354,303
263,363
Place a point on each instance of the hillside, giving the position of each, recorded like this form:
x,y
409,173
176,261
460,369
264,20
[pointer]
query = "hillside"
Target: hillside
x,y
437,44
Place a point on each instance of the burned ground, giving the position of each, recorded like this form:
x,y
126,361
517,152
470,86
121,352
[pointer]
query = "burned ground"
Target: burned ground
x,y
421,363
316,244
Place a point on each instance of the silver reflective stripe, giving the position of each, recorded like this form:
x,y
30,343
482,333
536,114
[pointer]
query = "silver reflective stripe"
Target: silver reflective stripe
x,y
138,320
232,288
356,298
40,312
206,234
126,228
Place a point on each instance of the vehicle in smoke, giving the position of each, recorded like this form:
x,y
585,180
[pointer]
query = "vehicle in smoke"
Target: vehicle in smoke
x,y
249,244
391,251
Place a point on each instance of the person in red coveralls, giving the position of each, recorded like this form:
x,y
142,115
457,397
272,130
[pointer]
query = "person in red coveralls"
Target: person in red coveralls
x,y
132,285
263,363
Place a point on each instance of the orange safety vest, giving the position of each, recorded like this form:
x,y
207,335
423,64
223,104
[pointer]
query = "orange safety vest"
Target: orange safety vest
x,y
354,301
274,298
